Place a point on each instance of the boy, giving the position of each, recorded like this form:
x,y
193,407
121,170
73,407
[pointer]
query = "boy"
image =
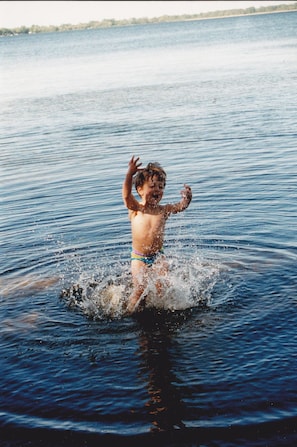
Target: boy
x,y
148,219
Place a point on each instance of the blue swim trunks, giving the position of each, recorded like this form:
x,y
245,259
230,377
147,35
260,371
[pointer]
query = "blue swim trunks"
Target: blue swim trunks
x,y
148,260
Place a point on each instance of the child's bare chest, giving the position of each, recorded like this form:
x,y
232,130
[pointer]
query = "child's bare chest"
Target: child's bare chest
x,y
147,219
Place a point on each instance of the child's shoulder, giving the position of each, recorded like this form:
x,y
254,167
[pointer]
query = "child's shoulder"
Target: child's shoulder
x,y
167,208
133,213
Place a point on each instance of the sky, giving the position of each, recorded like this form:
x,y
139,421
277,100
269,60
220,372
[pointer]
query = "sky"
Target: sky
x,y
18,13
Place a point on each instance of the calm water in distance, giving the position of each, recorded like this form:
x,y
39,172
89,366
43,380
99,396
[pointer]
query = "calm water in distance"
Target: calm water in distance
x,y
214,363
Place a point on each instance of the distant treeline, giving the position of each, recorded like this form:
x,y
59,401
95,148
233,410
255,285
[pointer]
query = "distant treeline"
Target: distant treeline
x,y
107,23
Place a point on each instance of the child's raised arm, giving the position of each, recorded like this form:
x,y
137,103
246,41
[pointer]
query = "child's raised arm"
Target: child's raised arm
x,y
128,198
186,194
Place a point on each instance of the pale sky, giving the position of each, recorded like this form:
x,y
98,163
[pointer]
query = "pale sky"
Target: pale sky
x,y
18,13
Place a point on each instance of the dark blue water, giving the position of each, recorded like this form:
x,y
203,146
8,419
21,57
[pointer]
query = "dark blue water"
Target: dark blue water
x,y
214,363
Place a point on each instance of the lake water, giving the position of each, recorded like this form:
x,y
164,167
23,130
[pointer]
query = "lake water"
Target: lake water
x,y
214,362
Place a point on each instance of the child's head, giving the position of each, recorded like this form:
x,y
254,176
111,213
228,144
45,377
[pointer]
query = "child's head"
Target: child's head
x,y
152,170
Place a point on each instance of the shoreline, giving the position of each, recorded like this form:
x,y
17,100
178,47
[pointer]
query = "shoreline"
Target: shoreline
x,y
112,23
239,15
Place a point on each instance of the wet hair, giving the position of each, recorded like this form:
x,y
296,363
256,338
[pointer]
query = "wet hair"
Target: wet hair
x,y
152,169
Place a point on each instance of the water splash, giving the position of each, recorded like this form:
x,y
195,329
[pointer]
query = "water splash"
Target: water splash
x,y
189,283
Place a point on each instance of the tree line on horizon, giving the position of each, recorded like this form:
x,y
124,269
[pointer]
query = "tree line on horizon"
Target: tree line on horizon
x,y
107,23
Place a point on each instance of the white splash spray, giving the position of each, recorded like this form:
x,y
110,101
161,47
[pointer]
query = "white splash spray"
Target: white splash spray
x,y
189,283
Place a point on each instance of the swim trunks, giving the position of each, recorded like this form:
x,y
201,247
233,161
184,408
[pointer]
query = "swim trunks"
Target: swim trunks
x,y
148,260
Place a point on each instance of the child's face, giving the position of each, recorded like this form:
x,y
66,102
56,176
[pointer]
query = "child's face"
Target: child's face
x,y
152,190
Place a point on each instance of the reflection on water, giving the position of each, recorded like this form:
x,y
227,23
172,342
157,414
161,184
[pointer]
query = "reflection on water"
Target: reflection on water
x,y
25,285
156,344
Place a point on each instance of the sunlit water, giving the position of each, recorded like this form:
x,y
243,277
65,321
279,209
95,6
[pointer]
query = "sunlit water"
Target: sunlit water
x,y
213,362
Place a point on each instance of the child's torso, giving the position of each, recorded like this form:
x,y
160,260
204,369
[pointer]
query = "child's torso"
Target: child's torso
x,y
147,231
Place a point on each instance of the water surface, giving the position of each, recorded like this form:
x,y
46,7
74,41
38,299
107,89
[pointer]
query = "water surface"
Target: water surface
x,y
214,363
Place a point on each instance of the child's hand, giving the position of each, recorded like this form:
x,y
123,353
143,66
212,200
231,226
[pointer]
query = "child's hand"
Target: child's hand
x,y
186,193
134,165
